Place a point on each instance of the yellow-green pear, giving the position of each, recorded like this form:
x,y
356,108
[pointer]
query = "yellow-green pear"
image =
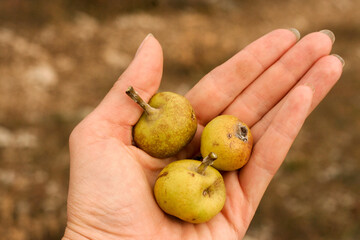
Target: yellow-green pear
x,y
191,190
230,139
167,124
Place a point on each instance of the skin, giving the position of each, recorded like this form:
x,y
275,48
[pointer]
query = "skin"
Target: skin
x,y
220,136
111,181
193,197
157,134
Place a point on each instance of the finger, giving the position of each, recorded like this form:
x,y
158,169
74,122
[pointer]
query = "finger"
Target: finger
x,y
144,74
271,149
212,94
322,77
275,82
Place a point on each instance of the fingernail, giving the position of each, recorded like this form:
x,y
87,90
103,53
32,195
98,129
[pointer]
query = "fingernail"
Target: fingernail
x,y
296,32
310,85
340,58
330,34
142,43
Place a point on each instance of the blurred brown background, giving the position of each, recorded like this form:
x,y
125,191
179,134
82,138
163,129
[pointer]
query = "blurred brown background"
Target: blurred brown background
x,y
59,58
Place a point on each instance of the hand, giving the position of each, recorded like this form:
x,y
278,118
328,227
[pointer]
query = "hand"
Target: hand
x,y
268,85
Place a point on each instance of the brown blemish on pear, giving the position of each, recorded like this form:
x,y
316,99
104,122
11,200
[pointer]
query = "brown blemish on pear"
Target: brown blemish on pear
x,y
193,115
206,192
163,174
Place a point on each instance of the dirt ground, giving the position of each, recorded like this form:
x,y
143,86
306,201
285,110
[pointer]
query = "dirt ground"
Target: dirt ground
x,y
59,58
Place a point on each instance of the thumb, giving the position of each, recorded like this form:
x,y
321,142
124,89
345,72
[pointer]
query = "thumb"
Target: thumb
x,y
144,74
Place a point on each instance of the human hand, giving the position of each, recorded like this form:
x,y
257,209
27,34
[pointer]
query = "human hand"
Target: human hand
x,y
266,85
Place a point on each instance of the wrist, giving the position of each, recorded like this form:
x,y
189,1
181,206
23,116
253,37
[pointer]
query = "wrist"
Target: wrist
x,y
73,235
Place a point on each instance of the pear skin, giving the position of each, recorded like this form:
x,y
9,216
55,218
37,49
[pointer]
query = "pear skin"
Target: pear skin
x,y
230,139
166,126
191,196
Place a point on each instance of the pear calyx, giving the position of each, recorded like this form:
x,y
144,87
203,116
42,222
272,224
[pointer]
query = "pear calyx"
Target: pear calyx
x,y
242,132
135,96
207,161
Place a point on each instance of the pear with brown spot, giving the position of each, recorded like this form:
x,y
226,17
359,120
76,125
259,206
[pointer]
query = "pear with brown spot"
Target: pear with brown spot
x,y
167,124
191,190
230,139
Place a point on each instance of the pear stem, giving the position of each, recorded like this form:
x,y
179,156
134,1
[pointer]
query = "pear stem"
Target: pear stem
x,y
135,96
207,161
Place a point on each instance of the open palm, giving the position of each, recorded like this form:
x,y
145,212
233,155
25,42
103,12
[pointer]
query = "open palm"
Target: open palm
x,y
266,85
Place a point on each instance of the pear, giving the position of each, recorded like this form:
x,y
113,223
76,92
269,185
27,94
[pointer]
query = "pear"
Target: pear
x,y
230,139
167,124
191,190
